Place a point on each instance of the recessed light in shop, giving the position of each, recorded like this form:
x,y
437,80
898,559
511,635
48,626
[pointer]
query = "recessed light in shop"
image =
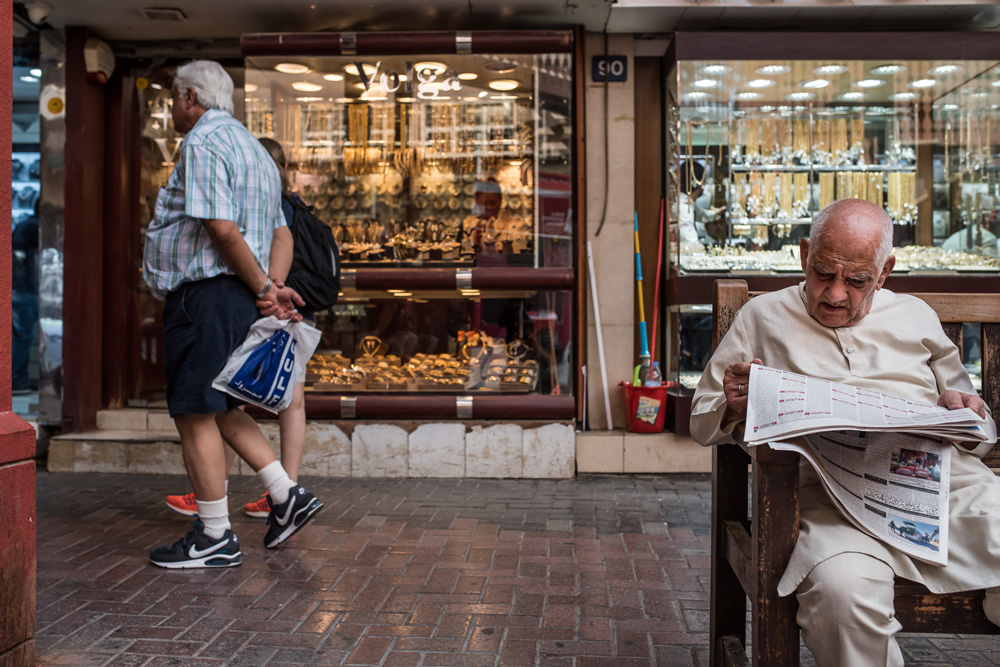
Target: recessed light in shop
x,y
716,69
706,83
307,87
291,68
853,95
869,83
923,83
801,96
748,95
903,96
773,69
760,83
945,69
250,87
352,69
830,69
333,77
888,69
468,76
815,83
504,84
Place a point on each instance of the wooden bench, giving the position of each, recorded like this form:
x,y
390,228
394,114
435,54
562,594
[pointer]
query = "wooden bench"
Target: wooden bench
x,y
752,540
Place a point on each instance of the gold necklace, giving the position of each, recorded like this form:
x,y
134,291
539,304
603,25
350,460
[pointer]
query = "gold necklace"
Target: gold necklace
x,y
693,182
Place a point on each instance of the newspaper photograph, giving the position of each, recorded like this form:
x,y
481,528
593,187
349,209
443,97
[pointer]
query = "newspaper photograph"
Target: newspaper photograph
x,y
892,485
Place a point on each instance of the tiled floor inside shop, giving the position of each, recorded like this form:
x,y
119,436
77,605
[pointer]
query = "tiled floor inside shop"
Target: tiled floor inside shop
x,y
597,571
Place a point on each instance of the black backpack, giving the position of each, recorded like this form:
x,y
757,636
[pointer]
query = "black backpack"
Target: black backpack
x,y
315,271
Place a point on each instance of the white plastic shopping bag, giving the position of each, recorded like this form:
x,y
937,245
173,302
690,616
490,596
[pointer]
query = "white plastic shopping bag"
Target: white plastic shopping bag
x,y
265,367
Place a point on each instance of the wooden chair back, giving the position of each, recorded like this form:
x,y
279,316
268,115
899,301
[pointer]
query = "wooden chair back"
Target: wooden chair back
x,y
752,541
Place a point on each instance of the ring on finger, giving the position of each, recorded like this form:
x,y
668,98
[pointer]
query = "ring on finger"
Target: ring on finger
x,y
739,389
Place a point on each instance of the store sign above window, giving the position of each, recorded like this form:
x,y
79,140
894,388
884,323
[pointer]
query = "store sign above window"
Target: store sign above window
x,y
428,83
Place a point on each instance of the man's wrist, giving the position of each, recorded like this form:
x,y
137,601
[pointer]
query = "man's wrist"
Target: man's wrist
x,y
265,289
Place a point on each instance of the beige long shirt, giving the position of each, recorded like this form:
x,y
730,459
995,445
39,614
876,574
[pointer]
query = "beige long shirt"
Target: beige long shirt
x,y
899,348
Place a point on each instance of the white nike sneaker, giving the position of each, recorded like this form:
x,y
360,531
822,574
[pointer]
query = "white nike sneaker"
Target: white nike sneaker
x,y
196,549
285,519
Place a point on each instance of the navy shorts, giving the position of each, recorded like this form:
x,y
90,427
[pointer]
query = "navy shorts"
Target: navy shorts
x,y
203,323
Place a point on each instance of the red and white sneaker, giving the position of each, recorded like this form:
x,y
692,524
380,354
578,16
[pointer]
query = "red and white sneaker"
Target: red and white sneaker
x,y
186,504
259,509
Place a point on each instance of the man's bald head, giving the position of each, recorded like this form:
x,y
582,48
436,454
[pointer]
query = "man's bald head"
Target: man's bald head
x,y
846,259
860,219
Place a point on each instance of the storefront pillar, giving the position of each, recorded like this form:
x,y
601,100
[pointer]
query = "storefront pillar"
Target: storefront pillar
x,y
17,447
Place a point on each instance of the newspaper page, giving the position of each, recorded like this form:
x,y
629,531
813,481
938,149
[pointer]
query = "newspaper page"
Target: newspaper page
x,y
784,404
892,485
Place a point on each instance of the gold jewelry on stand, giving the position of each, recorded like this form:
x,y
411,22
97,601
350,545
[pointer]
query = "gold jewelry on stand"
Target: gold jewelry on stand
x,y
800,196
800,138
821,141
826,188
784,133
838,139
875,187
769,194
766,140
858,138
739,207
753,140
693,182
785,199
754,200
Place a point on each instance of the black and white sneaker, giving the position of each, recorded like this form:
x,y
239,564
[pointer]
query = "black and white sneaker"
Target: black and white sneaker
x,y
196,549
286,519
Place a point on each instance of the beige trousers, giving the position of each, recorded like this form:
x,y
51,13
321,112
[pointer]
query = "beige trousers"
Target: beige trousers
x,y
847,615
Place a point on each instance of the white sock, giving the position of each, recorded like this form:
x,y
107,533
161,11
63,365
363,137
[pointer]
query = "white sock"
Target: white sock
x,y
276,481
214,514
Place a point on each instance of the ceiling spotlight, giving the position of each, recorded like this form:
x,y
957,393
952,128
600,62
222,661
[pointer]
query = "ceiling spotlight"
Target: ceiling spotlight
x,y
853,95
291,68
34,71
706,83
309,99
869,83
748,95
801,96
468,76
945,69
923,83
830,69
773,69
504,84
352,69
950,107
903,96
250,87
715,69
306,86
333,77
29,79
815,83
697,95
760,83
888,69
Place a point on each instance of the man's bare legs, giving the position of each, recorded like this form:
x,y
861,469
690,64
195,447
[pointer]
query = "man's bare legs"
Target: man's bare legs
x,y
292,425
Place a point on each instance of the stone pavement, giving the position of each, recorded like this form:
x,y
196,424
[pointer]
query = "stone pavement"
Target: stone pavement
x,y
596,571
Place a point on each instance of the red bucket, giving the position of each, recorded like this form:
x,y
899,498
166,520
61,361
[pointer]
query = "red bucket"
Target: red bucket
x,y
645,407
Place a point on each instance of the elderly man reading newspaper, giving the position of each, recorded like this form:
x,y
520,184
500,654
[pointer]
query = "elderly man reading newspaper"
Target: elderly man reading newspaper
x,y
840,325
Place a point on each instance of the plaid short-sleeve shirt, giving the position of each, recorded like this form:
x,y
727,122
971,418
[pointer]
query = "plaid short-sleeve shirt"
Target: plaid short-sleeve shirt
x,y
223,173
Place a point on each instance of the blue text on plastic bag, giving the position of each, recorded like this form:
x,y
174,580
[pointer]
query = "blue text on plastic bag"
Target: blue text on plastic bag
x,y
266,374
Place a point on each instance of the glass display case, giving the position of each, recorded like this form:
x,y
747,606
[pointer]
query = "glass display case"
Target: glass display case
x,y
760,146
446,180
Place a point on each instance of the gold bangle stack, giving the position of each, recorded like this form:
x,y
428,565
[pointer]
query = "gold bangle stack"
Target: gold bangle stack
x,y
755,199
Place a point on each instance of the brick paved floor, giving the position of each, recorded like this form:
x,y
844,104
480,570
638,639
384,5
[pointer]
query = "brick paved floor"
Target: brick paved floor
x,y
598,571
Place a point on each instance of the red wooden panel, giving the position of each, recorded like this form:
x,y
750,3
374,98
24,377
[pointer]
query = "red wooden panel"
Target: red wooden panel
x,y
17,553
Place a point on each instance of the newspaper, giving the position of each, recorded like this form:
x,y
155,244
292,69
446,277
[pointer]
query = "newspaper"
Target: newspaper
x,y
884,460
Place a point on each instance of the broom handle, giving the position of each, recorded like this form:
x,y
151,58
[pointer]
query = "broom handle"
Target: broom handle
x,y
656,289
